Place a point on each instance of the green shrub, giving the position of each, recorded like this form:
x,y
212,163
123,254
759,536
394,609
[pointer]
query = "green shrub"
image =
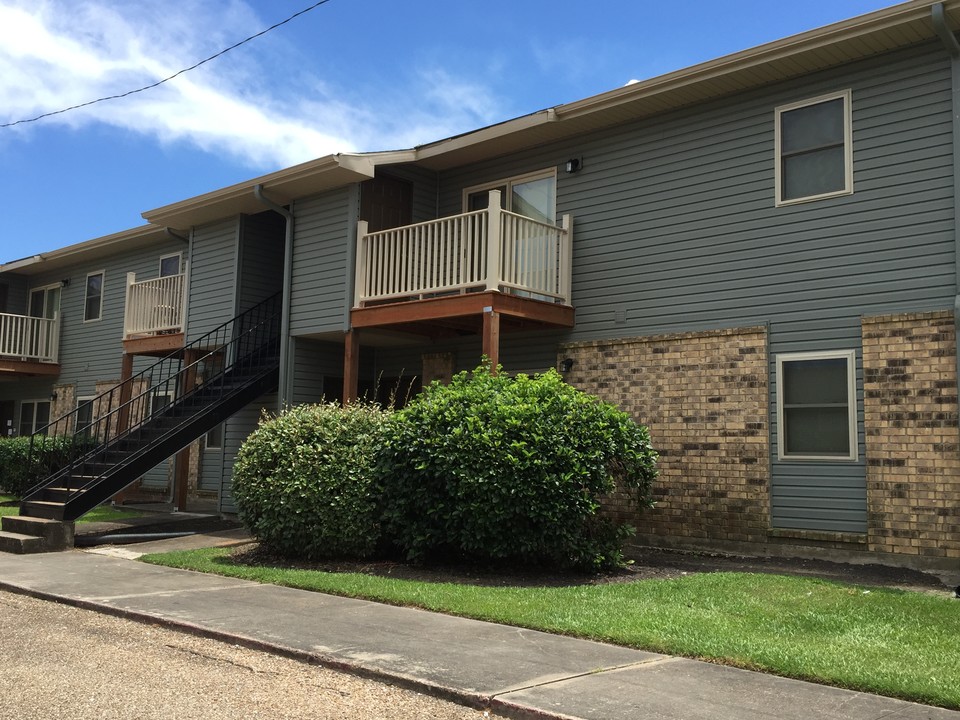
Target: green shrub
x,y
17,473
303,480
493,468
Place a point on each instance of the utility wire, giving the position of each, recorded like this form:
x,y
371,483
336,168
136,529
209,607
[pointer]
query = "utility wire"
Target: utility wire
x,y
167,79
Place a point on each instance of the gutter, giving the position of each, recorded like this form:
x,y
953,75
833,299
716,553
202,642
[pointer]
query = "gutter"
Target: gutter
x,y
952,47
283,396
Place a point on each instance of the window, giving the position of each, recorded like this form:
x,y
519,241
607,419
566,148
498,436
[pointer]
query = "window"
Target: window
x,y
814,148
534,196
215,438
816,406
85,417
170,265
34,415
93,297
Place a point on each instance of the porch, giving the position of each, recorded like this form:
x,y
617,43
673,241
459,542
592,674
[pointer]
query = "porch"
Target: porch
x,y
484,272
29,345
154,314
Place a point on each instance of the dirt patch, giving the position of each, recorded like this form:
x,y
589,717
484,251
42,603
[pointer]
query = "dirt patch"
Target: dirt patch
x,y
648,564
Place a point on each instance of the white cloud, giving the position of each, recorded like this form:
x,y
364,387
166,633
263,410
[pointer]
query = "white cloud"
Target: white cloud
x,y
67,52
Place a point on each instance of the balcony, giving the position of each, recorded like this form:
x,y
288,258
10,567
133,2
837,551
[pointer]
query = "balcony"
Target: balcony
x,y
154,314
482,272
489,250
29,345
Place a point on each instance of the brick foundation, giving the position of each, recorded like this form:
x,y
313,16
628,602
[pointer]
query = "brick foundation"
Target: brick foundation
x,y
704,397
438,366
910,422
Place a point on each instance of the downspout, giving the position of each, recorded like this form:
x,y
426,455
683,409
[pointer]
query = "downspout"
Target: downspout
x,y
283,396
952,47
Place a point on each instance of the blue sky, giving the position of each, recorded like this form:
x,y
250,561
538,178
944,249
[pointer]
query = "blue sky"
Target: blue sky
x,y
350,75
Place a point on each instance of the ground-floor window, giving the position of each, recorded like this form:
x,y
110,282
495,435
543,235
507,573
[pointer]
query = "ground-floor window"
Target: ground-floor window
x,y
816,406
34,415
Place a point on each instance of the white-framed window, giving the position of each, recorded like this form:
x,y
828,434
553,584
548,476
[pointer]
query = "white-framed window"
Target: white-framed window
x,y
93,296
533,195
817,405
814,149
215,438
34,414
85,416
170,264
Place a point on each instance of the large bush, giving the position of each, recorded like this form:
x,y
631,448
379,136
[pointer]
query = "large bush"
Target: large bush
x,y
303,480
17,473
493,468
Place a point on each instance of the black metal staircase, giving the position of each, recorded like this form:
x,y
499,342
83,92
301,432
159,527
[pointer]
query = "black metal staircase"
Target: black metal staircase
x,y
154,414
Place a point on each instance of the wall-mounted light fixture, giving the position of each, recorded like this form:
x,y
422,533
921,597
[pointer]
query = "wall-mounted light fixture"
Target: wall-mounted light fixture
x,y
566,365
573,165
64,282
53,396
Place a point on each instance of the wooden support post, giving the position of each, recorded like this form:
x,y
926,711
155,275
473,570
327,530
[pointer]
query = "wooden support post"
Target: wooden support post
x,y
491,338
126,392
123,416
188,380
351,366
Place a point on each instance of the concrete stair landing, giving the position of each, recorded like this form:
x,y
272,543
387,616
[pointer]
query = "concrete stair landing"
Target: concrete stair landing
x,y
23,535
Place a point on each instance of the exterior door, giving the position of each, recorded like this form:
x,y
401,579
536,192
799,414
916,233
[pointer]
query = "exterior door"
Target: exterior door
x,y
44,303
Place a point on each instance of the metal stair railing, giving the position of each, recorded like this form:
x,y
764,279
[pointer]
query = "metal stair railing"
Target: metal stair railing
x,y
123,415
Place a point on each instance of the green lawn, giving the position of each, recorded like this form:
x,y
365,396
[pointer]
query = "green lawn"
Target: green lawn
x,y
897,643
104,513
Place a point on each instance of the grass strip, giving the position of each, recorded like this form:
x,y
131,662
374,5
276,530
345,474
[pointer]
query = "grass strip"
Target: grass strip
x,y
896,643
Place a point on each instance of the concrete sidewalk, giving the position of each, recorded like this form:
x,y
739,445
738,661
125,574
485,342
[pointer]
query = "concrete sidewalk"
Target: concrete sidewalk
x,y
514,672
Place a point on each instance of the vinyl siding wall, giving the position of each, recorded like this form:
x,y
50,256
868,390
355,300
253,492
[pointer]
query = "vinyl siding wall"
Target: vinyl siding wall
x,y
323,245
261,258
214,258
675,228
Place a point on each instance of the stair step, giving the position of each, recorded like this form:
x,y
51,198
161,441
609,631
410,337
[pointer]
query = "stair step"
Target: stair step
x,y
56,534
20,544
42,509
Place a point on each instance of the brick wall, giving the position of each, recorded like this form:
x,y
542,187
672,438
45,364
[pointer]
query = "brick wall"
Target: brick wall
x,y
704,396
910,422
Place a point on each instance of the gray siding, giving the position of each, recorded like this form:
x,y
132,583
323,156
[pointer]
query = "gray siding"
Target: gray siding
x,y
318,369
675,225
16,292
235,431
425,189
321,261
213,276
261,258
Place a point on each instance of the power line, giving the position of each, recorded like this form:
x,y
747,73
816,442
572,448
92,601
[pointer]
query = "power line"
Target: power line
x,y
167,79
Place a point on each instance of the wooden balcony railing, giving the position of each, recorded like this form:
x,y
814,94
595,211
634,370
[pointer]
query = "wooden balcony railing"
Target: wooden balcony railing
x,y
31,339
490,249
154,306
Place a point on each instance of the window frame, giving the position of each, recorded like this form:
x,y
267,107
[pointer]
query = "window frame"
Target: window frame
x,y
508,183
86,287
846,96
206,438
86,400
178,256
33,423
851,357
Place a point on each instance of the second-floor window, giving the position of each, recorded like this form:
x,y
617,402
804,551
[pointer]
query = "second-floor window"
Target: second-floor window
x,y
170,265
814,148
93,297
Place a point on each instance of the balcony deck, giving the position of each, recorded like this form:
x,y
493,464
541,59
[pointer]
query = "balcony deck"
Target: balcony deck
x,y
29,346
154,315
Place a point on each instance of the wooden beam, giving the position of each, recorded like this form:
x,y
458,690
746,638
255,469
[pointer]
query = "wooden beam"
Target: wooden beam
x,y
351,366
491,338
154,344
456,306
26,368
